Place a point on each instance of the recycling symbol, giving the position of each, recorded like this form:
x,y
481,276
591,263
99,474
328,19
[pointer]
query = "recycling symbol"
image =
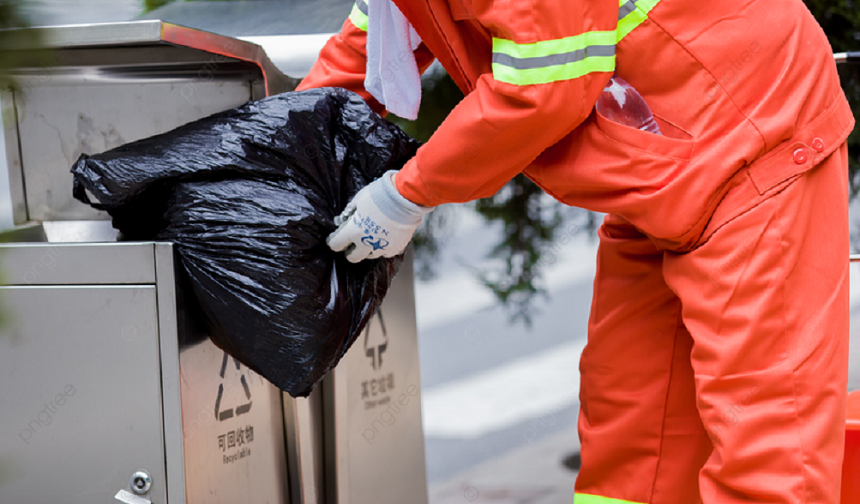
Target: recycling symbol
x,y
222,414
375,343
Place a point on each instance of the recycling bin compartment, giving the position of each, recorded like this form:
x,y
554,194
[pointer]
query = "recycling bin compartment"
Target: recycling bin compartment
x,y
110,386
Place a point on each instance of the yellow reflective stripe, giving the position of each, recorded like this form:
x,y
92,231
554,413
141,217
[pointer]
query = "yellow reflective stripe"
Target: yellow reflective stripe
x,y
570,57
635,18
358,18
553,47
625,7
579,498
544,75
553,60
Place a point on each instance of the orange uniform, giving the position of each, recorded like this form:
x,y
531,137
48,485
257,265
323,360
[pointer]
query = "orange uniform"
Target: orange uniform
x,y
716,365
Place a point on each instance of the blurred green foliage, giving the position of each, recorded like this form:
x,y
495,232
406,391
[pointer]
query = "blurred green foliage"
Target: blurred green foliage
x,y
151,5
529,223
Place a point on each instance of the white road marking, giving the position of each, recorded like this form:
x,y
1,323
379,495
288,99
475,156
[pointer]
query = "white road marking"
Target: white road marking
x,y
854,282
506,395
458,293
527,388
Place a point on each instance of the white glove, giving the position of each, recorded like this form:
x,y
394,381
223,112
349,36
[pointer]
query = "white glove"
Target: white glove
x,y
378,222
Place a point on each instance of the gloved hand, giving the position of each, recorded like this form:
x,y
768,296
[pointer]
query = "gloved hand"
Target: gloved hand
x,y
378,222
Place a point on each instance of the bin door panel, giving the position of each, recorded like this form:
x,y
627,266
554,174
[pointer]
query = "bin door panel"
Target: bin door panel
x,y
233,428
80,393
374,398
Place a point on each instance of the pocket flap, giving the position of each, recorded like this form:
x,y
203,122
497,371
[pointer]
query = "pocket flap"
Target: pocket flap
x,y
674,142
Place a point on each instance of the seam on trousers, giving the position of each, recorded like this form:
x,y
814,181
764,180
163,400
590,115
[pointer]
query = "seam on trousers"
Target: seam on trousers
x,y
807,491
678,323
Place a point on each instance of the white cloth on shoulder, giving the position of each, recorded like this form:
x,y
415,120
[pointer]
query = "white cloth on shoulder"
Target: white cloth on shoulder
x,y
392,74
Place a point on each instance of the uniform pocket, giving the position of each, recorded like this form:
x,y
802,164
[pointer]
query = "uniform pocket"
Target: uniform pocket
x,y
675,142
608,167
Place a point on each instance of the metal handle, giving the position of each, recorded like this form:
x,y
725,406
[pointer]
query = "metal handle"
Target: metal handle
x,y
854,257
847,57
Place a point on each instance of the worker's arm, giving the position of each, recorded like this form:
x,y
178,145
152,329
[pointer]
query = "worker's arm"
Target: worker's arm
x,y
551,60
343,60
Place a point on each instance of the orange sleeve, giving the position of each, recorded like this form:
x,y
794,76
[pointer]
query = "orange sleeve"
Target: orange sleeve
x,y
343,61
502,126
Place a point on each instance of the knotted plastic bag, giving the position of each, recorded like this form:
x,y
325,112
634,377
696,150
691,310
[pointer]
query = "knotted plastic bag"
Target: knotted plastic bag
x,y
248,197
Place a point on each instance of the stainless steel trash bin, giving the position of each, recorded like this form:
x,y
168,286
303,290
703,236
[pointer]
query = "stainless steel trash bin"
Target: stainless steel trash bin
x,y
109,387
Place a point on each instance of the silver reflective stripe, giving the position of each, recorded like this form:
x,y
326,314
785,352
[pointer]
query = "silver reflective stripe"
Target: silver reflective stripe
x,y
623,10
555,59
362,6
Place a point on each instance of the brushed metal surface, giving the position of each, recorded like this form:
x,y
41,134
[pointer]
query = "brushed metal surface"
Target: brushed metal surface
x,y
86,231
304,426
58,121
149,33
9,118
374,403
109,84
168,344
78,263
80,389
233,430
91,34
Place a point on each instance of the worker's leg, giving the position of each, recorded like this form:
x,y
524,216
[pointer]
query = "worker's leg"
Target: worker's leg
x,y
766,301
642,439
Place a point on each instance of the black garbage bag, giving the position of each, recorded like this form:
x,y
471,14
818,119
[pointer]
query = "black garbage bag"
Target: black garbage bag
x,y
248,197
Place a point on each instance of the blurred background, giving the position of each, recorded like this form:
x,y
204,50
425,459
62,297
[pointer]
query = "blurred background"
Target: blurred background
x,y
503,285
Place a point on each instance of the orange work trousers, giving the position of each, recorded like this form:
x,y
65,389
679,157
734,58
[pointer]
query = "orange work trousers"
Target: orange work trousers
x,y
719,375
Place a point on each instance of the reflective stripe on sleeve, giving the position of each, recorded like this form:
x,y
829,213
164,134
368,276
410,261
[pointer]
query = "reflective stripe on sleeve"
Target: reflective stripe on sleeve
x,y
358,16
579,498
569,57
553,60
632,14
625,7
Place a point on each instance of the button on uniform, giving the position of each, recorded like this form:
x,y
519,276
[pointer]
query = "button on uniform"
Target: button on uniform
x,y
818,145
800,156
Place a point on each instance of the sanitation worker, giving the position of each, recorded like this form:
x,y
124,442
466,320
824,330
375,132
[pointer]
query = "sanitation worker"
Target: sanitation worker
x,y
716,364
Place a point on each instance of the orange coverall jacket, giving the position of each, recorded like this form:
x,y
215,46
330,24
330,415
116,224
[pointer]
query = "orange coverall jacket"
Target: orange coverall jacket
x,y
726,89
716,363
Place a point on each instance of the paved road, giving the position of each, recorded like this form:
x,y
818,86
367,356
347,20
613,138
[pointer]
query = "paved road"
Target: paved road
x,y
492,387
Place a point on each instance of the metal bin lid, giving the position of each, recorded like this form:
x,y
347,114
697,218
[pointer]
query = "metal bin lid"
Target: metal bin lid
x,y
99,86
